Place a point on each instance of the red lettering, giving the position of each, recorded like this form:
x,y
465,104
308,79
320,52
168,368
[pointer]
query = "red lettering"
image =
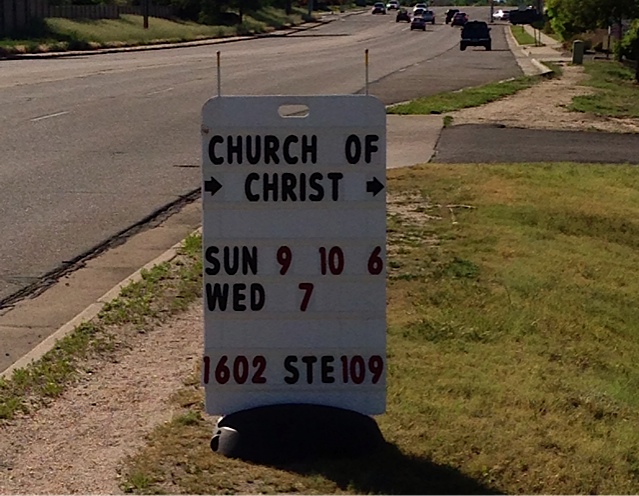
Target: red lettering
x,y
357,369
206,369
236,370
259,362
332,259
375,262
307,287
284,258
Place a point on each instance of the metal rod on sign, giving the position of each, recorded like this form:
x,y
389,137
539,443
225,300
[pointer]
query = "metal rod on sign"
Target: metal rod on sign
x,y
219,75
366,64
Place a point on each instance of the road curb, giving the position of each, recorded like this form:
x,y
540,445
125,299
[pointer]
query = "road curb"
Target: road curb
x,y
91,311
543,68
524,58
524,61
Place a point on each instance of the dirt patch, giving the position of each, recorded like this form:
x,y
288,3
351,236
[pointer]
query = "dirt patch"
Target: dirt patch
x,y
543,106
76,445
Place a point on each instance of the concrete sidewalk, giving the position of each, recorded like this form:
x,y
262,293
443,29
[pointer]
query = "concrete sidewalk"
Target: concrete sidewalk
x,y
530,58
550,50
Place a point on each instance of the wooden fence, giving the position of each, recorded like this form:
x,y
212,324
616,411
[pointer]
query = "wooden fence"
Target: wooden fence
x,y
16,15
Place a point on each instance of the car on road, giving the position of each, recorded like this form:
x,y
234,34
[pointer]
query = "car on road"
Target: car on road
x,y
429,16
501,15
402,15
459,19
475,33
379,8
392,5
418,13
418,22
422,6
450,13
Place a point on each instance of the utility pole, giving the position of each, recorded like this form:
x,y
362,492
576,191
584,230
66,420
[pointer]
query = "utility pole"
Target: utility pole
x,y
145,13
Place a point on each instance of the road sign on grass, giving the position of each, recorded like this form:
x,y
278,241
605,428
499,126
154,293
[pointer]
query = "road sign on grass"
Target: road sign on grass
x,y
294,242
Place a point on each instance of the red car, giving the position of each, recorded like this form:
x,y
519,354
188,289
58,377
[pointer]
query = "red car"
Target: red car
x,y
459,19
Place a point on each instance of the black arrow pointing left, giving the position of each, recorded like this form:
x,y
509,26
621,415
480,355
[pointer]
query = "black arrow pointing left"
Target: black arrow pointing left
x,y
374,186
212,186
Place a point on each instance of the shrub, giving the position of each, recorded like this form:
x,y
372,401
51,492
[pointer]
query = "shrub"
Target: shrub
x,y
628,46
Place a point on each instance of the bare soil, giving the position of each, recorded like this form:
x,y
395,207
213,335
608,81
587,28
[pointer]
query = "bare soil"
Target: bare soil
x,y
543,106
78,443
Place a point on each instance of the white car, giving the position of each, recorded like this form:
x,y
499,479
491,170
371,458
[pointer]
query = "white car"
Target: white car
x,y
422,6
379,8
501,15
392,5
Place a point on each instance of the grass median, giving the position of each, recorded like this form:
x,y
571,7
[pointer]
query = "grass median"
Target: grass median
x,y
512,346
522,36
60,34
615,94
469,97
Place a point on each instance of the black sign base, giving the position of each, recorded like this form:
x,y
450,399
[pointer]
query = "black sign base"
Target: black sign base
x,y
294,432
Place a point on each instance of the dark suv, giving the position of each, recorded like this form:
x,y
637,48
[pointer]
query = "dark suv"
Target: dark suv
x,y
475,33
450,13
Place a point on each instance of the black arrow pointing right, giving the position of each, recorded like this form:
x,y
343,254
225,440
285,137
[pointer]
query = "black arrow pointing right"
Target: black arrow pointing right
x,y
374,186
212,186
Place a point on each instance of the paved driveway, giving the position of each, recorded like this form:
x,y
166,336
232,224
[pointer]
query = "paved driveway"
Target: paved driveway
x,y
477,143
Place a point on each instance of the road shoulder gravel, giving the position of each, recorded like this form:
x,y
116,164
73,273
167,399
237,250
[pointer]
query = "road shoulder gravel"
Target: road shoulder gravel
x,y
77,444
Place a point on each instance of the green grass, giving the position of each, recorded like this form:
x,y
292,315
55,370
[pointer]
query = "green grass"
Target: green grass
x,y
512,346
59,34
468,97
522,36
163,291
617,94
129,29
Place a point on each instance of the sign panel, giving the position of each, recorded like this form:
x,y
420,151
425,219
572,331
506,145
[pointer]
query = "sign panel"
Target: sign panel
x,y
294,245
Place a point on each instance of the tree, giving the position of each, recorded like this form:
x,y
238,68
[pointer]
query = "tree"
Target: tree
x,y
571,17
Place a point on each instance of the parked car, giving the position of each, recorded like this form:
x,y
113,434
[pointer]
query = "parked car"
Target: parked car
x,y
402,15
418,22
429,16
528,16
450,14
459,19
475,33
379,8
501,15
392,5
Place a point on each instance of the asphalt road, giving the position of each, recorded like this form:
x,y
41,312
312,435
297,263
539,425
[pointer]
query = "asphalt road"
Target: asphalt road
x,y
91,145
494,144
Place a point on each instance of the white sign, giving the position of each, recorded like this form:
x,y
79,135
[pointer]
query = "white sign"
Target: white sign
x,y
294,250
